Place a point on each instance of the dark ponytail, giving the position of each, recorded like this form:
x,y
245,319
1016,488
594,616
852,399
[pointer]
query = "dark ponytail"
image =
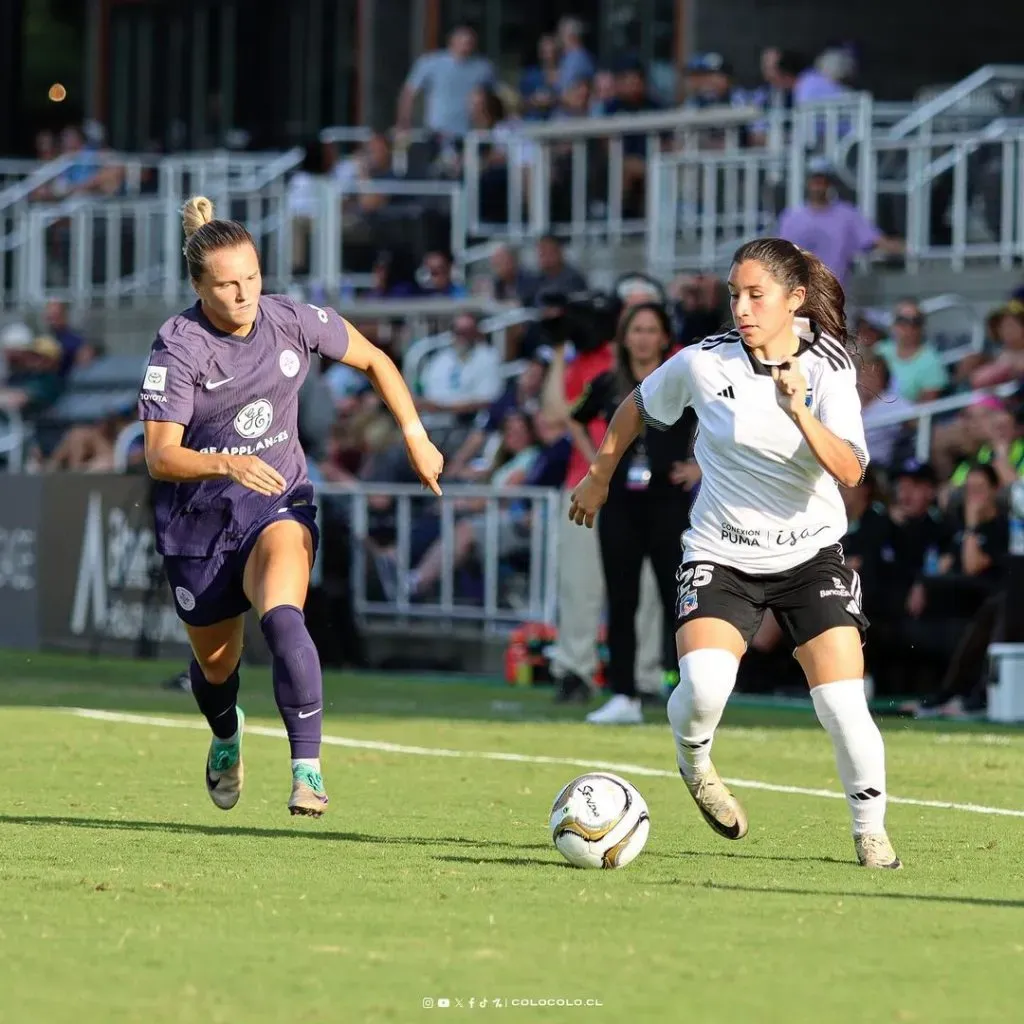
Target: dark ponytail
x,y
794,267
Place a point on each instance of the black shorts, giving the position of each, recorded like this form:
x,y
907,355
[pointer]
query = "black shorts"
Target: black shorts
x,y
822,593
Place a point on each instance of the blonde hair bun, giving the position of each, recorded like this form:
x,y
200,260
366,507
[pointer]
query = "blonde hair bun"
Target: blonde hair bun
x,y
196,212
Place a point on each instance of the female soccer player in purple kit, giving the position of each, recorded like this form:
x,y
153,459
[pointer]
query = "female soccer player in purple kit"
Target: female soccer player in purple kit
x,y
235,519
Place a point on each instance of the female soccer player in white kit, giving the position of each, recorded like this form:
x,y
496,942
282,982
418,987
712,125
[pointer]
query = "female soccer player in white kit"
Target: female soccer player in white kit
x,y
779,427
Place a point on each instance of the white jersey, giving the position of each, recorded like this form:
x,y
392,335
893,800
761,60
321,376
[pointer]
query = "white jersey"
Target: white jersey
x,y
765,503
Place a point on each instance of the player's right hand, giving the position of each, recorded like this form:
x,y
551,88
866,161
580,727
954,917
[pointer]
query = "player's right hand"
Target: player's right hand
x,y
252,472
584,502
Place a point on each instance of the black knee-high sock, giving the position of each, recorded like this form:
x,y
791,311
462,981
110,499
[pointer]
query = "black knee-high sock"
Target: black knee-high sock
x,y
217,701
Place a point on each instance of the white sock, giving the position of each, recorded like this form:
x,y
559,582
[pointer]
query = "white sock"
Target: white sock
x,y
842,709
312,762
695,708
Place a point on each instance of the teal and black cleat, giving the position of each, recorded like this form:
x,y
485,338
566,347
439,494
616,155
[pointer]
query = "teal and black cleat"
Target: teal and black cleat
x,y
224,769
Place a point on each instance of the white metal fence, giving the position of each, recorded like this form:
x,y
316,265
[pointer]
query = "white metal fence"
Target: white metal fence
x,y
687,184
507,536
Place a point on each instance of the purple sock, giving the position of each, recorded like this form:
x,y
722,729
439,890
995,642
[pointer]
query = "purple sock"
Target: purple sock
x,y
217,701
298,683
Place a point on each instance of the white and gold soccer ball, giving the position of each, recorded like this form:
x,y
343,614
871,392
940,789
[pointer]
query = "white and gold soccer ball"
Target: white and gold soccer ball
x,y
600,821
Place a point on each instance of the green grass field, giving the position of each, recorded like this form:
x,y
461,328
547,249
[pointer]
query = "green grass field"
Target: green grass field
x,y
128,897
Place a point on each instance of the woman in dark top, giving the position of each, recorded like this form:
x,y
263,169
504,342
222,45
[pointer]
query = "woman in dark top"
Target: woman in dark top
x,y
645,513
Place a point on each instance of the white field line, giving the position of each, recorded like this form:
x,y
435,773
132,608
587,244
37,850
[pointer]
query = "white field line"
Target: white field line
x,y
494,755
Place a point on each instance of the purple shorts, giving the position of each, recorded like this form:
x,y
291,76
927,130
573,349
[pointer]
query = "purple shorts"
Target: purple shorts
x,y
209,590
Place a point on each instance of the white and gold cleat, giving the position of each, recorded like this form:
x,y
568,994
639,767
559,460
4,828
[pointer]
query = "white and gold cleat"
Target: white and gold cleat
x,y
721,810
875,851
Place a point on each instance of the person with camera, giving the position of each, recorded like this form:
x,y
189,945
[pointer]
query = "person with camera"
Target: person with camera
x,y
576,328
646,510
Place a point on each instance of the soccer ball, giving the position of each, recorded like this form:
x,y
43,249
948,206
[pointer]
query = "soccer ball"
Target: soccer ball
x,y
599,821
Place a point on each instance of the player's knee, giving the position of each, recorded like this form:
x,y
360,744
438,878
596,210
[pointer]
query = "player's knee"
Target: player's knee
x,y
284,629
219,667
703,676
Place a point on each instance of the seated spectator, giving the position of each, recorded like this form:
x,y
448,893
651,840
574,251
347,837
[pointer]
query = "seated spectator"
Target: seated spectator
x,y
708,82
394,275
602,91
918,372
554,273
879,398
632,96
573,102
510,282
1007,359
833,229
520,449
1000,443
436,278
522,393
75,350
89,447
538,84
34,380
461,379
973,560
870,326
700,306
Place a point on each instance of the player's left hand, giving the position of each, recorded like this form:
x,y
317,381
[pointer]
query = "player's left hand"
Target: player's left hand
x,y
426,460
585,502
790,388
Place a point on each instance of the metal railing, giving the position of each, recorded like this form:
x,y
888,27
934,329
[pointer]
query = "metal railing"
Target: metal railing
x,y
509,577
125,240
572,175
924,414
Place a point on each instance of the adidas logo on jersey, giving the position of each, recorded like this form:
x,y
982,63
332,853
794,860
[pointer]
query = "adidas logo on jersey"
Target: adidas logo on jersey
x,y
726,392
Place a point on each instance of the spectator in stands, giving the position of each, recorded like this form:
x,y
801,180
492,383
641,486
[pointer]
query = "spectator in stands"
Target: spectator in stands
x,y
574,102
1007,362
708,82
555,274
970,571
880,399
632,96
522,394
436,276
833,229
89,447
700,306
602,91
917,369
461,379
806,83
1000,443
394,275
538,84
870,327
510,282
75,350
510,468
575,64
448,78
34,380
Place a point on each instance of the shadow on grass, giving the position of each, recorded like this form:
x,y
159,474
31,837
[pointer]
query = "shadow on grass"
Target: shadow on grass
x,y
736,855
190,828
513,862
909,897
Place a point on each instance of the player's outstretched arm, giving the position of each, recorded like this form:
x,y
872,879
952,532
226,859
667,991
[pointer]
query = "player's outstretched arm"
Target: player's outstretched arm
x,y
168,460
592,491
386,378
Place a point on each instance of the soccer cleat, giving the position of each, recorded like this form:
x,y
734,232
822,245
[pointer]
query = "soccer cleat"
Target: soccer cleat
x,y
224,769
875,851
721,810
308,796
618,710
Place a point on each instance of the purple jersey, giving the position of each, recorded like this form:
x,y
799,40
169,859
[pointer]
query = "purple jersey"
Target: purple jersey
x,y
237,396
